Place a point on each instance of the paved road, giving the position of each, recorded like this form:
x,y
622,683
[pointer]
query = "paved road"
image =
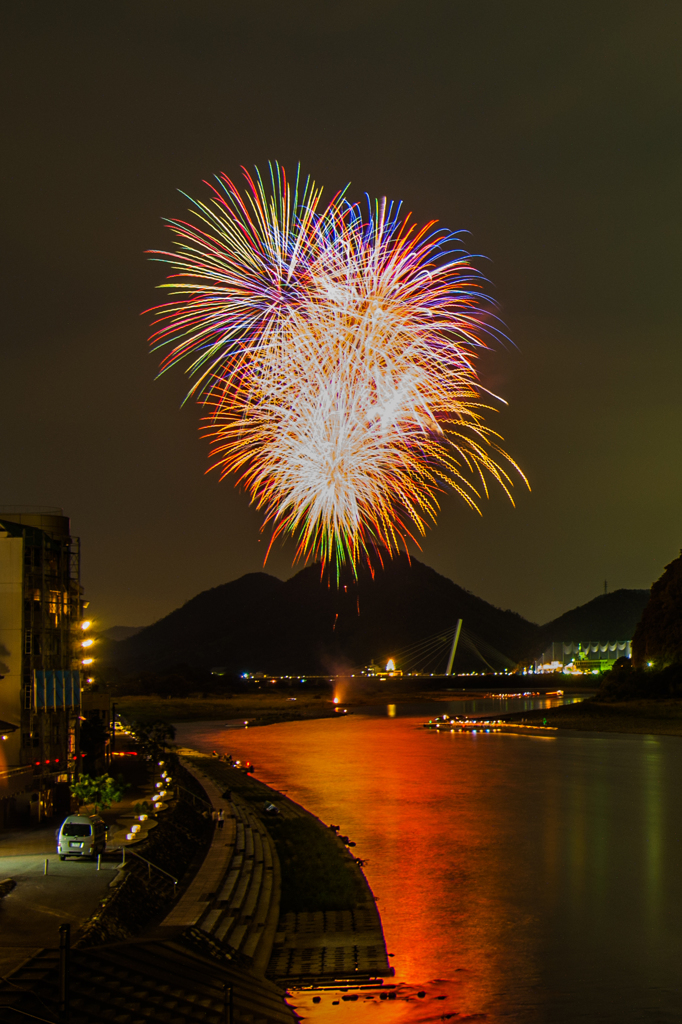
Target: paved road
x,y
31,914
70,893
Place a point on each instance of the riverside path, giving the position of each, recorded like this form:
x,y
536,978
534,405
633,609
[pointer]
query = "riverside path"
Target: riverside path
x,y
236,899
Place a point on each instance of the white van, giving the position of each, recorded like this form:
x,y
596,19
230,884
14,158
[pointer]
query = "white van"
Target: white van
x,y
82,835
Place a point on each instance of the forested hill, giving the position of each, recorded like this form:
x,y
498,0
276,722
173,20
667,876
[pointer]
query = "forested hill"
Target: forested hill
x,y
658,637
309,624
198,633
607,617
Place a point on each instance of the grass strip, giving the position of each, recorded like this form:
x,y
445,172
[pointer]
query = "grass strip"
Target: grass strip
x,y
316,874
317,871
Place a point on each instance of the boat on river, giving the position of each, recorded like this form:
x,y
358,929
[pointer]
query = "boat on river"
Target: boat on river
x,y
443,722
450,723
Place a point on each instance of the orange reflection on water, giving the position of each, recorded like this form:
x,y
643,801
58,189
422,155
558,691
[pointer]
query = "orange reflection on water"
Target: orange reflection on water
x,y
527,879
419,807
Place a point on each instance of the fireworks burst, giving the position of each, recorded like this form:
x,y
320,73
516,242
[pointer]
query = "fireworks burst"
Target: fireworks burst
x,y
334,350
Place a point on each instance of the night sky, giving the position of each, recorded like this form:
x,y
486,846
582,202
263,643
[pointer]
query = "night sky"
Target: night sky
x,y
549,131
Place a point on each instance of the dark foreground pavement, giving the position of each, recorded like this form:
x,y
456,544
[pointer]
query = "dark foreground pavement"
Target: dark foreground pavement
x,y
31,914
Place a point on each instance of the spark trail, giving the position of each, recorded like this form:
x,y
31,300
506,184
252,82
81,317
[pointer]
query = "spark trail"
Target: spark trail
x,y
334,351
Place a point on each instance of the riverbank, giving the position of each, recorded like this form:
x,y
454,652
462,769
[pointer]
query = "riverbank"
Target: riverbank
x,y
282,706
654,717
329,928
256,708
499,862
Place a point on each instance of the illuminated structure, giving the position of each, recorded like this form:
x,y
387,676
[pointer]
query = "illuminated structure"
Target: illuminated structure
x,y
586,656
41,655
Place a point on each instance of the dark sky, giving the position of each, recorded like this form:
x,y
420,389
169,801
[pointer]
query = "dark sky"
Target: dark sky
x,y
550,131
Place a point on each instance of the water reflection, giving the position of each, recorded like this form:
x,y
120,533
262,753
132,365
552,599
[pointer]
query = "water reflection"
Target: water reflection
x,y
468,708
653,816
538,877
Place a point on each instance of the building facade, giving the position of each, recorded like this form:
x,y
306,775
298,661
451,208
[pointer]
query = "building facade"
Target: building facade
x,y
41,658
582,656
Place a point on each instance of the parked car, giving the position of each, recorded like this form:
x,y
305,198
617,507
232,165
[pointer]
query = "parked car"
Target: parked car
x,y
82,835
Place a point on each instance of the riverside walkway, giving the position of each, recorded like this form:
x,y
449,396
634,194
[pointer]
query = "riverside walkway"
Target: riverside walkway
x,y
235,897
45,896
174,974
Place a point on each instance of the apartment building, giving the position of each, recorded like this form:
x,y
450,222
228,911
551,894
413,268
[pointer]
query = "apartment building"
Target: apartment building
x,y
41,660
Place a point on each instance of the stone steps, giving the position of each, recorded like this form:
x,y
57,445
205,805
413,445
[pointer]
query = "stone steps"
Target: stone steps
x,y
234,897
340,944
243,912
27,975
243,905
230,881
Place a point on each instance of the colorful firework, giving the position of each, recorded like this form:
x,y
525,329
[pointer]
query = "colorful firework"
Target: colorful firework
x,y
334,350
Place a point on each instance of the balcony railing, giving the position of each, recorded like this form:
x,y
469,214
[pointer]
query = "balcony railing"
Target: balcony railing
x,y
12,773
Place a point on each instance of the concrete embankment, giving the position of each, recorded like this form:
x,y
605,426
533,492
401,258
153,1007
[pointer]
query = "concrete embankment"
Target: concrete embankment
x,y
279,893
329,928
176,969
234,897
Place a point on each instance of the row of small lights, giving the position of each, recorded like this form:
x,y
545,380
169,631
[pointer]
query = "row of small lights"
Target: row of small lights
x,y
390,667
157,799
55,760
86,643
165,781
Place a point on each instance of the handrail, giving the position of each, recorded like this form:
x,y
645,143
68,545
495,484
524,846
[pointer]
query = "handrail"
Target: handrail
x,y
22,769
149,863
195,797
25,1013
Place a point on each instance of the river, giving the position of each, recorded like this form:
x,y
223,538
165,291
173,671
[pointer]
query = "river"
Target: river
x,y
530,880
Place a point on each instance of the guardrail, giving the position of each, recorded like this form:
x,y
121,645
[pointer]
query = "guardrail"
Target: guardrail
x,y
12,773
195,797
149,866
14,780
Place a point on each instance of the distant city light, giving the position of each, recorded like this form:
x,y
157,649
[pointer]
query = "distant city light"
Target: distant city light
x,y
86,624
390,665
87,643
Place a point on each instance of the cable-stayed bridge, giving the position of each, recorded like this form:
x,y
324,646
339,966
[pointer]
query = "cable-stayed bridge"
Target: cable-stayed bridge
x,y
437,654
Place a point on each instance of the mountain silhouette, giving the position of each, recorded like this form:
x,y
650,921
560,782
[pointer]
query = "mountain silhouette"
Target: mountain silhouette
x,y
312,624
658,637
607,617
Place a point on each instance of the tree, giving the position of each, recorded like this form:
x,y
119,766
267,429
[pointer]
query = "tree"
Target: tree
x,y
658,637
151,737
100,790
